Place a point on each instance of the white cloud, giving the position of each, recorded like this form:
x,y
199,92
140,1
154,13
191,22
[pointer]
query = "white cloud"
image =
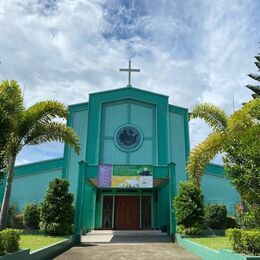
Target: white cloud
x,y
192,51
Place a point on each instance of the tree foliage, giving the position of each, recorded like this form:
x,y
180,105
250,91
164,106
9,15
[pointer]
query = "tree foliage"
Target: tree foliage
x,y
57,212
240,142
10,105
30,126
254,88
189,210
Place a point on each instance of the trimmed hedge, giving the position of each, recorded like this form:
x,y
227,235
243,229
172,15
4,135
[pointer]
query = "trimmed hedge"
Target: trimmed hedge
x,y
9,241
215,215
244,241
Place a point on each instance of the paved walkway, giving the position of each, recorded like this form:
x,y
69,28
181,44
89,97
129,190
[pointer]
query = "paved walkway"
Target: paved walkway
x,y
151,251
133,246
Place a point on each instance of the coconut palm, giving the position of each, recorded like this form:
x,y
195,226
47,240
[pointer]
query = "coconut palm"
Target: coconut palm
x,y
224,128
31,126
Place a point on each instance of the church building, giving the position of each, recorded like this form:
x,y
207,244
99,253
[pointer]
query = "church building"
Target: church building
x,y
134,149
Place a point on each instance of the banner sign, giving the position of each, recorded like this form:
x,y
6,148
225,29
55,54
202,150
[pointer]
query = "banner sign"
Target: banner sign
x,y
105,175
125,176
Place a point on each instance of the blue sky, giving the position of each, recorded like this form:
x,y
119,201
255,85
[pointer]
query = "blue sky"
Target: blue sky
x,y
192,51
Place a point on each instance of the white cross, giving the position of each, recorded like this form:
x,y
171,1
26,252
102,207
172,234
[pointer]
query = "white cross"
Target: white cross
x,y
129,70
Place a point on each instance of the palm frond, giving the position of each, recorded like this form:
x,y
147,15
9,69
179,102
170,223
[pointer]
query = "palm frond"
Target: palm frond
x,y
245,117
214,116
42,112
202,154
53,131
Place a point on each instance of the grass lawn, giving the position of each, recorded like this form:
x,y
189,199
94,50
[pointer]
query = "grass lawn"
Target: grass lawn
x,y
214,242
35,239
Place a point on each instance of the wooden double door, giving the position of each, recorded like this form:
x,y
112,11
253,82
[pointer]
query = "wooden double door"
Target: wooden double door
x,y
127,212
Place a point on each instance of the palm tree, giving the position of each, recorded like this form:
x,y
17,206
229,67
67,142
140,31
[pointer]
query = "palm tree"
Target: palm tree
x,y
31,126
224,128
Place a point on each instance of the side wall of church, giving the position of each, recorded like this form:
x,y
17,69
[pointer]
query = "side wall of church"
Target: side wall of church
x,y
31,181
217,188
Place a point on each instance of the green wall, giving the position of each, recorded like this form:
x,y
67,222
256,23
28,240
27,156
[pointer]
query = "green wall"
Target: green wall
x,y
32,187
178,145
79,121
31,181
217,188
116,114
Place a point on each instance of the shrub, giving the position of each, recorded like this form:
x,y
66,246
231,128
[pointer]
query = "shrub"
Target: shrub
x,y
57,212
11,215
32,216
18,221
231,222
244,241
252,218
195,230
215,215
10,240
2,250
189,209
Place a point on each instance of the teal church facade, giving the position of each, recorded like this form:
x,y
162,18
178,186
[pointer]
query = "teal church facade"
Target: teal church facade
x,y
125,128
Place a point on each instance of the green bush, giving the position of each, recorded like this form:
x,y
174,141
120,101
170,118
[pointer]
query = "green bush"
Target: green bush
x,y
231,222
32,216
57,212
195,230
215,215
2,250
18,221
244,241
251,218
189,211
10,240
11,215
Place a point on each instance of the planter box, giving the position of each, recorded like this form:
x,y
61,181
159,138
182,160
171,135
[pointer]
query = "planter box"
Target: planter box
x,y
48,252
21,254
208,253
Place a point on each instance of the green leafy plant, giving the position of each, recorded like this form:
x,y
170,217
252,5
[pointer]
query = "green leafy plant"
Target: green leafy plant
x,y
252,218
32,216
215,215
231,222
10,240
18,221
189,211
30,126
57,212
244,241
11,215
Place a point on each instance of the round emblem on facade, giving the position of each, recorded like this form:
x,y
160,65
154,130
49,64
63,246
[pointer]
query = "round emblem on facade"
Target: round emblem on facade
x,y
128,138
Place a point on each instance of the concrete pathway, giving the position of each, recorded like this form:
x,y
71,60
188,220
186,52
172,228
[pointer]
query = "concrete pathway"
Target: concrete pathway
x,y
151,251
118,245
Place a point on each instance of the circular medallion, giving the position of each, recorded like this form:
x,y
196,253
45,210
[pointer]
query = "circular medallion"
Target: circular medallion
x,y
128,138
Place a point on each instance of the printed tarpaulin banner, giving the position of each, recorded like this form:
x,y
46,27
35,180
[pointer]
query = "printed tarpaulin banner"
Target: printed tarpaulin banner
x,y
125,176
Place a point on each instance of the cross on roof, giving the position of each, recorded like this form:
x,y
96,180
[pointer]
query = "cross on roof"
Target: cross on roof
x,y
129,70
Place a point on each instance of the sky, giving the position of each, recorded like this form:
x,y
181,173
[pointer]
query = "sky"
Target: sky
x,y
193,51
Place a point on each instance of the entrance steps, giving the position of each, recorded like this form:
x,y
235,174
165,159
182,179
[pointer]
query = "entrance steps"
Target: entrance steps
x,y
125,236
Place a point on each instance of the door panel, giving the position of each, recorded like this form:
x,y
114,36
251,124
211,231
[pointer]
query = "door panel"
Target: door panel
x,y
127,212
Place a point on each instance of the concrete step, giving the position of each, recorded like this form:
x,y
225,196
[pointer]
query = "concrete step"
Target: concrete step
x,y
126,233
125,236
